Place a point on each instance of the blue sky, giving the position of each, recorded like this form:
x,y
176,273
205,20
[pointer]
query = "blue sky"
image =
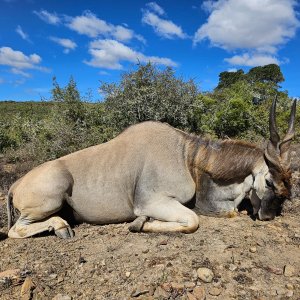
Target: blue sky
x,y
96,41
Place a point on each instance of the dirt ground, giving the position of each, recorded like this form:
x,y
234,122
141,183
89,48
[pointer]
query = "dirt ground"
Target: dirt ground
x,y
249,259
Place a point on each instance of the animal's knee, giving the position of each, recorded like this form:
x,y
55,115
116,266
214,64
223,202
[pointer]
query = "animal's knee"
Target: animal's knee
x,y
192,223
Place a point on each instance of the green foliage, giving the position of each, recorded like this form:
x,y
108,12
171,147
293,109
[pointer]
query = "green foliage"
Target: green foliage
x,y
71,124
149,94
269,73
226,79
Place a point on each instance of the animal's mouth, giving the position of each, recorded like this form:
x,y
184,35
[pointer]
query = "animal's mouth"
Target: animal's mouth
x,y
262,217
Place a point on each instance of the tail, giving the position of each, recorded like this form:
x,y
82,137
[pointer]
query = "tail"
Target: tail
x,y
10,212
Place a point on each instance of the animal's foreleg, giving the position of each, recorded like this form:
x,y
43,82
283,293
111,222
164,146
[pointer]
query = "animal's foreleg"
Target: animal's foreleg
x,y
25,228
238,200
169,215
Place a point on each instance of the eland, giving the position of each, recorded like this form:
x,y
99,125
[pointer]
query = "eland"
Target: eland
x,y
147,176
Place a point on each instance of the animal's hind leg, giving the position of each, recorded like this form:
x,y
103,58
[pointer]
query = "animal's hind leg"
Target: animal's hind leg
x,y
23,228
169,215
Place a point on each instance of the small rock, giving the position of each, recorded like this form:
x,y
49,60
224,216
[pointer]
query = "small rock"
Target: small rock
x,y
274,270
163,243
145,251
10,273
160,293
140,290
232,267
216,282
199,293
253,249
189,285
11,277
190,296
260,243
26,289
127,274
289,271
53,276
167,287
177,286
280,291
289,286
205,274
81,260
215,291
62,297
290,294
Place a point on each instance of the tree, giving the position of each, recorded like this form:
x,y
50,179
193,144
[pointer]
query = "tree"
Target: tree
x,y
269,73
68,101
226,78
149,93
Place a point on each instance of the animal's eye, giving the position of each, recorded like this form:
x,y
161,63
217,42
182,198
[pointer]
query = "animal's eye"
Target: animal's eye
x,y
269,183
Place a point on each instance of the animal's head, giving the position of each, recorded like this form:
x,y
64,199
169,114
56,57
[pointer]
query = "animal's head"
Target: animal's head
x,y
272,185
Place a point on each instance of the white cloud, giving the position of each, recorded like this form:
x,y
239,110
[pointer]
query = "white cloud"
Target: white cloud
x,y
252,60
109,54
50,18
20,72
89,24
163,27
66,43
259,27
18,61
22,34
155,8
121,33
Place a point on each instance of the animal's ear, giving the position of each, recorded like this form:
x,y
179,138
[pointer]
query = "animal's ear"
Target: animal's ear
x,y
255,201
259,185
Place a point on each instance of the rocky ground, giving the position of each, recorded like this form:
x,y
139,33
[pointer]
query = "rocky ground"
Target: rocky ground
x,y
236,258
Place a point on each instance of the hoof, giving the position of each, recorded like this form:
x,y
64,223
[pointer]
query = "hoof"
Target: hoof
x,y
137,224
65,233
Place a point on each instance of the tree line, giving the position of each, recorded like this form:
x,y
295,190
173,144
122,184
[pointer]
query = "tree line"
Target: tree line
x,y
237,108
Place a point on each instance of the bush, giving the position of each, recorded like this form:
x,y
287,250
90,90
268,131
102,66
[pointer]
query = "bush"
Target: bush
x,y
149,94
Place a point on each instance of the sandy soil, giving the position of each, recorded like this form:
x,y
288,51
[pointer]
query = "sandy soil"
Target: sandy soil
x,y
249,260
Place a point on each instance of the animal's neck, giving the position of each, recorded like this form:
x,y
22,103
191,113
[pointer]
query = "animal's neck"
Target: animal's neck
x,y
223,160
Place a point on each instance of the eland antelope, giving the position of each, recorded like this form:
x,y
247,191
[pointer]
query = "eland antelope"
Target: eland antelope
x,y
147,175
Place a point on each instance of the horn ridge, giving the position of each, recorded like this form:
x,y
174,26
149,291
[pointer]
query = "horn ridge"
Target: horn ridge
x,y
286,142
291,129
274,136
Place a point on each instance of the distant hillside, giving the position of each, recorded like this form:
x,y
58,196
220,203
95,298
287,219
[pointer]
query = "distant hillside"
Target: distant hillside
x,y
28,108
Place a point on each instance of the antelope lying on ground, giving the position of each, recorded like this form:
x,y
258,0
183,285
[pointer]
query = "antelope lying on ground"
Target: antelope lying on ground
x,y
152,170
